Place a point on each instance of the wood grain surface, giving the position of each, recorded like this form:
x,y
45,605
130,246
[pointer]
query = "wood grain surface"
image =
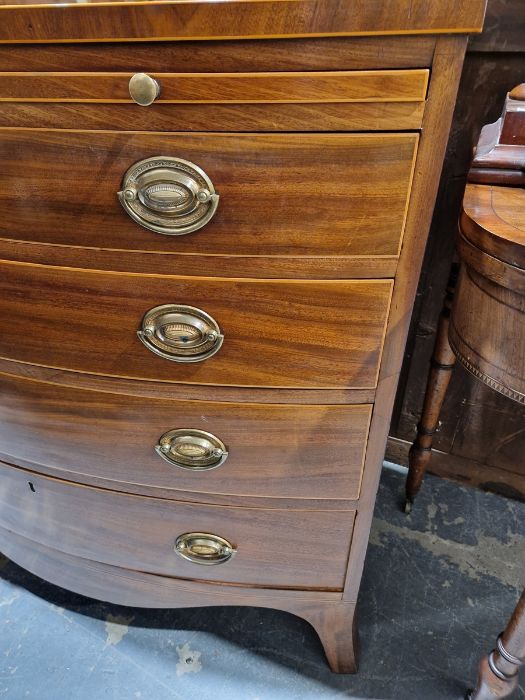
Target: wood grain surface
x,y
333,116
312,54
275,548
212,265
282,194
113,584
274,450
217,88
487,333
493,219
26,22
185,392
277,333
446,73
494,269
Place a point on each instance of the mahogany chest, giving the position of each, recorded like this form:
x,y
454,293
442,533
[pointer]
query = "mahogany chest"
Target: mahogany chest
x,y
213,220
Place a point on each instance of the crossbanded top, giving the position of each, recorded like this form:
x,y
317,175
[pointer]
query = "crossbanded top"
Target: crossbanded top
x,y
179,20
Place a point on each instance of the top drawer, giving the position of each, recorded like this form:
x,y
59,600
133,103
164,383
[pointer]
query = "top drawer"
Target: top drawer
x,y
336,100
220,88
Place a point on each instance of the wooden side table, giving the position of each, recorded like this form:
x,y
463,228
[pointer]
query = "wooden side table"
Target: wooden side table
x,y
482,326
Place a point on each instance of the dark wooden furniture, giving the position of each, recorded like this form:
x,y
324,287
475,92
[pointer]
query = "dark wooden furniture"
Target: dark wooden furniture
x,y
498,672
463,450
484,328
243,188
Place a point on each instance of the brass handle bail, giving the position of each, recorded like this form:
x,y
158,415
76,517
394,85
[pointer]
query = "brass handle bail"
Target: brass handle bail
x,y
191,449
180,333
203,548
168,195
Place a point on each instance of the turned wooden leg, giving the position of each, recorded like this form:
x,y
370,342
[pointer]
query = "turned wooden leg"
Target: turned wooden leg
x,y
336,625
498,672
443,361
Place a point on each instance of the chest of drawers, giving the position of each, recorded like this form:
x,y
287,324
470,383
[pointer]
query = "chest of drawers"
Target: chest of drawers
x,y
213,220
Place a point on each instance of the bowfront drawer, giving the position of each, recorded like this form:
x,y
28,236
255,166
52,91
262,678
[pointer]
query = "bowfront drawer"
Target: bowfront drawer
x,y
285,195
280,333
298,548
129,443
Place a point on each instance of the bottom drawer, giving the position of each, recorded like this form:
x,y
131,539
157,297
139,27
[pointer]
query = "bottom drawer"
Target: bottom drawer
x,y
271,547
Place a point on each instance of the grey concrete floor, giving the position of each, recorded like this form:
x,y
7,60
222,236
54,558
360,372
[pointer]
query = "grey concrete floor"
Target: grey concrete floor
x,y
438,588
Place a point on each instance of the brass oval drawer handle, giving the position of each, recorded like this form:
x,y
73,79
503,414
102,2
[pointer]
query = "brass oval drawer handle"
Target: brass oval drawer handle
x,y
180,333
143,89
191,449
168,195
203,548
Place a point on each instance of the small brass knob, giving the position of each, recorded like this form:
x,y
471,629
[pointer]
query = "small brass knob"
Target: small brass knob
x,y
180,333
143,89
203,548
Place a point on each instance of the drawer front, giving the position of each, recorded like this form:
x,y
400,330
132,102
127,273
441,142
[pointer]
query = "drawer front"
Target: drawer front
x,y
274,333
286,195
288,451
227,117
244,56
218,88
384,55
297,548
